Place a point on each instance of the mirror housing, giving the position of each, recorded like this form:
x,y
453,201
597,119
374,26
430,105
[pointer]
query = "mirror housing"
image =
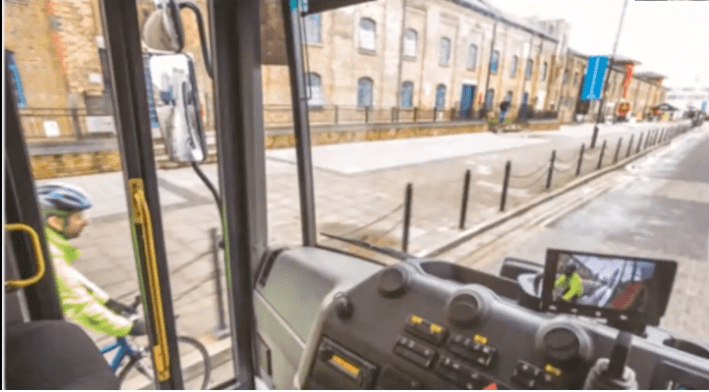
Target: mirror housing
x,y
163,28
177,107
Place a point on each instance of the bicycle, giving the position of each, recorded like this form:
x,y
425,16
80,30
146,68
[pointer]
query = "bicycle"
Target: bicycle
x,y
138,372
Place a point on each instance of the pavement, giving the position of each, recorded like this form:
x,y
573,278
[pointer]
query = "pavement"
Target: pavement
x,y
355,184
656,207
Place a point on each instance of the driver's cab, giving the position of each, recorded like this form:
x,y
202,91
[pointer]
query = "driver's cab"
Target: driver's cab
x,y
309,316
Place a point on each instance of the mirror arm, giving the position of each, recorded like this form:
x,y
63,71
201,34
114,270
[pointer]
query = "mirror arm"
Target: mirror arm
x,y
209,185
202,36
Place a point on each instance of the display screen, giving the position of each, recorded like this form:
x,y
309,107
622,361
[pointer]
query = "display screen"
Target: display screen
x,y
601,285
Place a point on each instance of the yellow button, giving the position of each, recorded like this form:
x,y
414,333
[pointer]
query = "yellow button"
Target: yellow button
x,y
480,339
553,370
436,328
416,319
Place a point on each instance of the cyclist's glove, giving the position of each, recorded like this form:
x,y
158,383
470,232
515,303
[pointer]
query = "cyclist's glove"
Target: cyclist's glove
x,y
138,328
116,306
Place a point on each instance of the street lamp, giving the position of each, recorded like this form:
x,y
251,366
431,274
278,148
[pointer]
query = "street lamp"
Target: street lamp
x,y
608,76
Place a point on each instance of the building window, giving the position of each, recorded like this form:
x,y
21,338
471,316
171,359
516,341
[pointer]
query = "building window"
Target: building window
x,y
565,79
364,92
472,56
407,95
316,95
410,43
543,73
445,51
508,98
513,67
15,75
367,34
103,55
576,78
313,29
529,69
440,97
494,60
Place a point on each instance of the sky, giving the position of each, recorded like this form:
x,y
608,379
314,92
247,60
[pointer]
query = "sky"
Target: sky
x,y
667,37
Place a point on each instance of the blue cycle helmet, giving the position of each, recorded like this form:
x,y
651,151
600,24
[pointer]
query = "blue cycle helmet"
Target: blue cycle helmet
x,y
62,199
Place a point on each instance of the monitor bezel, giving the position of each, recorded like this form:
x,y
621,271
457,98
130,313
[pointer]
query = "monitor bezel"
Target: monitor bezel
x,y
664,268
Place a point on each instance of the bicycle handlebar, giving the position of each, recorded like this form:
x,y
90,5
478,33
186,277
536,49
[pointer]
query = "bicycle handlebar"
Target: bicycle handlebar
x,y
133,308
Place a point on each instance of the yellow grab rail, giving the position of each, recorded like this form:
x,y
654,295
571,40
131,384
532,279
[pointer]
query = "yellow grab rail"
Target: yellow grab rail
x,y
21,283
141,215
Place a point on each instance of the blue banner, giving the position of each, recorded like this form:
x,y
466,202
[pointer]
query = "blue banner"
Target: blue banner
x,y
594,79
704,106
16,81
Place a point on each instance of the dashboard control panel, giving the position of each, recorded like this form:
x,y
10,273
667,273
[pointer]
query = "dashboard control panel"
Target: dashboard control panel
x,y
410,329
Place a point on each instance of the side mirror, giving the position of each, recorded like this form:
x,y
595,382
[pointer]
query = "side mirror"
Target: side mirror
x,y
177,107
163,28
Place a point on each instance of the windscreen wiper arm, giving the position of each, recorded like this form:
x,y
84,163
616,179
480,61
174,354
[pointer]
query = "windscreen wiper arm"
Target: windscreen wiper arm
x,y
399,255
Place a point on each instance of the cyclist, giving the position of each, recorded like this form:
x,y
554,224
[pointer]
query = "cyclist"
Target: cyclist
x,y
571,284
82,301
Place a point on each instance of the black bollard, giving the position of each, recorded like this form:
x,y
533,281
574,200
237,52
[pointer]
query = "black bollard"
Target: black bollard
x,y
407,216
505,184
630,146
578,166
640,142
617,150
464,202
600,158
551,168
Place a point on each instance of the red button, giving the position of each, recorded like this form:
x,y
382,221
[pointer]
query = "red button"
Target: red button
x,y
491,387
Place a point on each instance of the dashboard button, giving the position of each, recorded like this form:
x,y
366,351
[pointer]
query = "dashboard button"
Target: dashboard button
x,y
426,330
394,379
414,352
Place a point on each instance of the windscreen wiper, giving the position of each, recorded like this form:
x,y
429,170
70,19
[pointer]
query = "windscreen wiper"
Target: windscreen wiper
x,y
397,254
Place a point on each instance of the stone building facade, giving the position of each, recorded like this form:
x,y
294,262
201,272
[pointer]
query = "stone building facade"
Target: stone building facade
x,y
386,54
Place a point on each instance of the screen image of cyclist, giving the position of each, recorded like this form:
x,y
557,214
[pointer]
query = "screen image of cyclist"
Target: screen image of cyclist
x,y
605,282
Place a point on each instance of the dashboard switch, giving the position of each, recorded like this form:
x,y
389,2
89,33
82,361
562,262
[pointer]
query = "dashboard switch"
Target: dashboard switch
x,y
426,330
471,350
394,379
414,352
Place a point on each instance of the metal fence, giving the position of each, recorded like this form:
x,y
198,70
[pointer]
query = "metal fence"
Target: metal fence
x,y
48,123
76,124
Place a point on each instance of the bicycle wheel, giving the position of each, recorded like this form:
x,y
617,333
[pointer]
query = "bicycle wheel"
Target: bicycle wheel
x,y
194,360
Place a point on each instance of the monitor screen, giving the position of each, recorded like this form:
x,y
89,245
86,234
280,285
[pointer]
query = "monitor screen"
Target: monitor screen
x,y
605,285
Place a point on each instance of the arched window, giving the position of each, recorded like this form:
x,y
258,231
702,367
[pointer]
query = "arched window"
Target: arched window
x,y
543,72
513,67
367,34
494,60
440,97
313,28
565,79
364,92
528,71
316,95
407,95
445,51
410,43
472,56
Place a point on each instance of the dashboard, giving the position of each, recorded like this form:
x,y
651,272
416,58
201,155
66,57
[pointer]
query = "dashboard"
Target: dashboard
x,y
437,325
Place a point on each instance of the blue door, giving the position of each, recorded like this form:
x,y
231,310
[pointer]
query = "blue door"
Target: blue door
x,y
523,107
466,100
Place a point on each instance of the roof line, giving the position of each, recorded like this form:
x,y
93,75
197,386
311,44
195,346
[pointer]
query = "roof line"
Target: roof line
x,y
496,14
